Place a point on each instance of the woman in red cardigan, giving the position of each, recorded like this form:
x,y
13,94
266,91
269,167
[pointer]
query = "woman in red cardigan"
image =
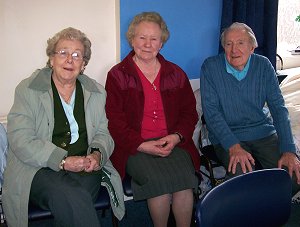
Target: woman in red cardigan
x,y
152,115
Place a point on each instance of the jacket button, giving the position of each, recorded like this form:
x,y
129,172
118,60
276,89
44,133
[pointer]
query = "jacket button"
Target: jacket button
x,y
63,144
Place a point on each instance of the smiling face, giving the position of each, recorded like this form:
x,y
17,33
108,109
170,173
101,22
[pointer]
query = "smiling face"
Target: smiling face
x,y
147,40
65,68
238,48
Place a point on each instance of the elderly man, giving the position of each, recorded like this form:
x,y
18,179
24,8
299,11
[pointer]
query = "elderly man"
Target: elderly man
x,y
235,87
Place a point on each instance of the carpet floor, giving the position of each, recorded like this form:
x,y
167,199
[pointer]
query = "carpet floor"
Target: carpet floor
x,y
137,215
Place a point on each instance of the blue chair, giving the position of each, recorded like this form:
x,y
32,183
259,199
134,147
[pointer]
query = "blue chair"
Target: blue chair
x,y
259,198
127,185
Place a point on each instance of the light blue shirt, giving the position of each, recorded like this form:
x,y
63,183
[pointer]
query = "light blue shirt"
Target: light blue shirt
x,y
239,75
68,108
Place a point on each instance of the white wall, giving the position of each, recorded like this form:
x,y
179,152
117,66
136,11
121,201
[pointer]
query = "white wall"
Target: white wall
x,y
26,25
195,83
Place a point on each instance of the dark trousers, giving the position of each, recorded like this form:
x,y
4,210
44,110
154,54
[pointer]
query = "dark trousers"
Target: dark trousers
x,y
69,196
265,151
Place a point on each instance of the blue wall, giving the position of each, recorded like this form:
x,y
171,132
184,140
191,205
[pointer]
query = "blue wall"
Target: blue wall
x,y
193,24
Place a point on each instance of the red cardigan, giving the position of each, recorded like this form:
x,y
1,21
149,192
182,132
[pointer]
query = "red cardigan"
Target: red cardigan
x,y
125,105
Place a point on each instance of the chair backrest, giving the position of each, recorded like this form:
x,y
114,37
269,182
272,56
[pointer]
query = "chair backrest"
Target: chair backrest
x,y
3,151
258,198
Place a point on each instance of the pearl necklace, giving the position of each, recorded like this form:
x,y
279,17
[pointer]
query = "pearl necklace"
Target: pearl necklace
x,y
149,75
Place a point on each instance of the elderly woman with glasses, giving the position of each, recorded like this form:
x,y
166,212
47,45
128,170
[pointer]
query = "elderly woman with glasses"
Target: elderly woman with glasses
x,y
59,141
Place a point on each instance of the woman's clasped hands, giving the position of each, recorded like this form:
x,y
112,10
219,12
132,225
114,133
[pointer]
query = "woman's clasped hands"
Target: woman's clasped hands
x,y
87,163
162,147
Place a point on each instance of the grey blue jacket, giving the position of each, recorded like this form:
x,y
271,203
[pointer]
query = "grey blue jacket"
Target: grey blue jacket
x,y
30,126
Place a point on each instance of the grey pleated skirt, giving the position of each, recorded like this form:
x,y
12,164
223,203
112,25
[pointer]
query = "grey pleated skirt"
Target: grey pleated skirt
x,y
153,176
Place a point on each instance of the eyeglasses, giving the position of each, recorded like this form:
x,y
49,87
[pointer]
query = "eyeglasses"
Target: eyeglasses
x,y
64,54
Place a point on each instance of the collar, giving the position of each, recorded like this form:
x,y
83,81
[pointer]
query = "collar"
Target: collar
x,y
239,75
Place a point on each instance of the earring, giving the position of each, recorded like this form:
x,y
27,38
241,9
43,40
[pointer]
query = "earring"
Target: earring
x,y
82,70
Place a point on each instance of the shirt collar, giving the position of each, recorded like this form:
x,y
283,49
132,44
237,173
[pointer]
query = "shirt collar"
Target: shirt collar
x,y
239,75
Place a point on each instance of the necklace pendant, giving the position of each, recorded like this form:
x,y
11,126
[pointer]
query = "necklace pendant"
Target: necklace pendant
x,y
154,87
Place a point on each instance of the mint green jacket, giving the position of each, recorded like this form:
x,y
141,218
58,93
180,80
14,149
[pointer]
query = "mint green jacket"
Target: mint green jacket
x,y
29,129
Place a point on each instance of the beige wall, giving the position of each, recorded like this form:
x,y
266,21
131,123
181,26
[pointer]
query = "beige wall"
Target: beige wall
x,y
26,25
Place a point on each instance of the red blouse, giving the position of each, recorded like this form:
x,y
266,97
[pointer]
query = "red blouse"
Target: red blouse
x,y
154,121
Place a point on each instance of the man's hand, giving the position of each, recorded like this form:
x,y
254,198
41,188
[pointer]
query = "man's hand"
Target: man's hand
x,y
291,161
238,155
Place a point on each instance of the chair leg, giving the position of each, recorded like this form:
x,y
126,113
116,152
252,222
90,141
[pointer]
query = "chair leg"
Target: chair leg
x,y
103,213
2,216
209,166
213,179
115,221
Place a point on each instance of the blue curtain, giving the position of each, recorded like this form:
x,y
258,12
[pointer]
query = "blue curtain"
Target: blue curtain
x,y
261,16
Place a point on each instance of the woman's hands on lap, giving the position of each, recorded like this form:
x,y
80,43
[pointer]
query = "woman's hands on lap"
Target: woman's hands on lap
x,y
162,147
95,159
87,163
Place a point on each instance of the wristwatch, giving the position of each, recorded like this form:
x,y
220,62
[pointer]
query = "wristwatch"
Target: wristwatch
x,y
181,138
93,149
